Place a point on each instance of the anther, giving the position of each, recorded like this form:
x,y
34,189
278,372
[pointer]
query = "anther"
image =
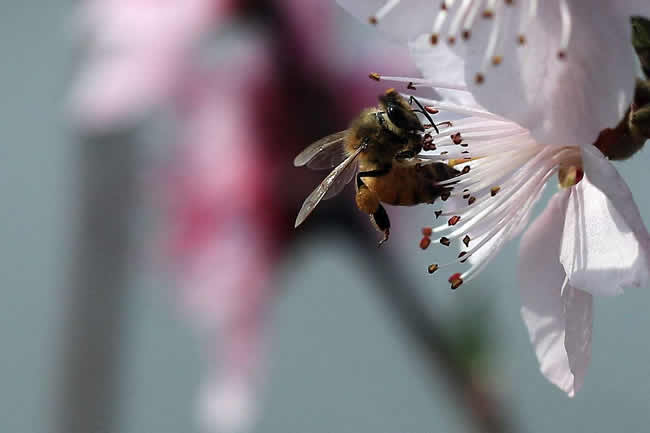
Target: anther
x,y
434,39
464,152
561,55
437,213
496,60
466,34
466,240
465,169
453,220
479,79
373,20
462,254
432,268
425,242
410,86
521,39
465,196
456,138
444,153
494,190
445,195
374,76
463,144
431,110
429,145
471,200
488,13
427,231
451,40
445,241
455,281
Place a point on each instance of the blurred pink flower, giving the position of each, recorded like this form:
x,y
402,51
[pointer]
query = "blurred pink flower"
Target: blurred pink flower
x,y
232,192
137,52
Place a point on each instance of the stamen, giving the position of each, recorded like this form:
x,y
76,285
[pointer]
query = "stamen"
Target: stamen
x,y
492,41
432,268
456,280
489,9
527,18
417,81
458,18
439,21
566,29
381,13
504,233
459,109
469,19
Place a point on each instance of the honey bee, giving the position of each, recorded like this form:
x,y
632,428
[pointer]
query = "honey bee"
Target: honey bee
x,y
380,149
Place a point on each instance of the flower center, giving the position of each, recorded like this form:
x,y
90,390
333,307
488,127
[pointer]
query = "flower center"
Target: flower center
x,y
503,171
570,175
456,18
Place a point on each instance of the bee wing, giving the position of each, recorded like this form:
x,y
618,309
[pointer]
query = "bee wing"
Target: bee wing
x,y
341,180
324,153
332,180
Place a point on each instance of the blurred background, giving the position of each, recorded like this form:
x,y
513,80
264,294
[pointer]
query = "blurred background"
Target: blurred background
x,y
153,281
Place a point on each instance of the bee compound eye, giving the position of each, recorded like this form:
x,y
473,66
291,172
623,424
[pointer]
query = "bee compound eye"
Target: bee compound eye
x,y
403,118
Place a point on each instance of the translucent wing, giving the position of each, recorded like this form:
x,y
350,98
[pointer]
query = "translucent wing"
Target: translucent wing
x,y
344,170
327,152
342,179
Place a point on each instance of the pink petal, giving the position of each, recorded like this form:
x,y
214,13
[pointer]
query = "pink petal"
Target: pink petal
x,y
559,324
606,245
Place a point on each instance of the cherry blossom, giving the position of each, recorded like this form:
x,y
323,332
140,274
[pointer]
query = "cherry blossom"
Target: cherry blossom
x,y
534,84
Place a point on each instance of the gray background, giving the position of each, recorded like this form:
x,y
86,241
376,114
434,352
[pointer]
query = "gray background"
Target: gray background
x,y
337,362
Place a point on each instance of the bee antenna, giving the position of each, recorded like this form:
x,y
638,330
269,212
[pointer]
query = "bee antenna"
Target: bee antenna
x,y
423,111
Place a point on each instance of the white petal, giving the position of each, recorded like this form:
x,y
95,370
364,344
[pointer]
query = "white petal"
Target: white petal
x,y
559,324
606,246
406,21
578,310
561,101
430,62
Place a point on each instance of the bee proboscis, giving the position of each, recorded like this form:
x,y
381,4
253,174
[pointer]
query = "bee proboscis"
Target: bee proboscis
x,y
380,150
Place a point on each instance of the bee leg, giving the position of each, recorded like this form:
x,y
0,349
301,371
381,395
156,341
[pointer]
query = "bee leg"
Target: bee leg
x,y
368,202
405,154
382,223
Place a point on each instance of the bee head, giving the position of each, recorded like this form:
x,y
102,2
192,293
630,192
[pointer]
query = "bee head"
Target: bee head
x,y
399,112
